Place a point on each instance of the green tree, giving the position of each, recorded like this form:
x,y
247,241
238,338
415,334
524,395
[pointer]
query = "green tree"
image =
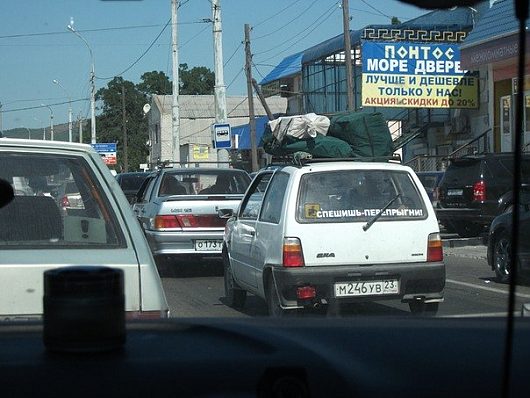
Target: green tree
x,y
198,80
395,21
110,122
155,83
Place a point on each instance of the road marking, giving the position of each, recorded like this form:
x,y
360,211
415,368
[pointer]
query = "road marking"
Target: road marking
x,y
489,289
478,315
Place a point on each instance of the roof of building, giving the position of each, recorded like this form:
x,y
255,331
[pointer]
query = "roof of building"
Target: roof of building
x,y
289,66
497,22
203,106
452,20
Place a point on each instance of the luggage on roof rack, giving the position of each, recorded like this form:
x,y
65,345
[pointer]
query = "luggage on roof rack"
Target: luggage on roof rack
x,y
350,134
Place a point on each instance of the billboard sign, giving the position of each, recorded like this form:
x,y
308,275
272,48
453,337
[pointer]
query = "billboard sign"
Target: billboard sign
x,y
107,151
416,75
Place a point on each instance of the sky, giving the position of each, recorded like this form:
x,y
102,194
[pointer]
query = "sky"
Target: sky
x,y
36,48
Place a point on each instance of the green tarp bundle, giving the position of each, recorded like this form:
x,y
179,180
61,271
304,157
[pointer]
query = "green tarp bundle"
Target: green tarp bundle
x,y
350,134
367,133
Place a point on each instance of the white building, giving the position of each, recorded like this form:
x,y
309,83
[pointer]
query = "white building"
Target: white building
x,y
197,115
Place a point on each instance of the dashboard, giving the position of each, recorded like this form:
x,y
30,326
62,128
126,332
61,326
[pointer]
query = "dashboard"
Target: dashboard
x,y
263,357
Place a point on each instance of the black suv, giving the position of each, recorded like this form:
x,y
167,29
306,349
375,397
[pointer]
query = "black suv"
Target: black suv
x,y
474,189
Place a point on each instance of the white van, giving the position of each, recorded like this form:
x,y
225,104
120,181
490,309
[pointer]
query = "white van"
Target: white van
x,y
335,231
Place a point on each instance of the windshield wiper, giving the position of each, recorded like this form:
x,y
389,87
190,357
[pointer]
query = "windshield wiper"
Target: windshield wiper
x,y
376,217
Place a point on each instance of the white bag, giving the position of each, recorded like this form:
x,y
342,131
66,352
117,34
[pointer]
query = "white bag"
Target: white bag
x,y
299,126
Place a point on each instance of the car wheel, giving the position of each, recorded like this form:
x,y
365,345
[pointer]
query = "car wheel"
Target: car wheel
x,y
273,302
235,296
502,257
467,230
422,308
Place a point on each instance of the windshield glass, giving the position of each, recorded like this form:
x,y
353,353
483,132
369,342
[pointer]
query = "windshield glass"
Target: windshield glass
x,y
358,196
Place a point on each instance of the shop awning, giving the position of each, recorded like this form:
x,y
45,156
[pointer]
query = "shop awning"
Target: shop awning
x,y
243,131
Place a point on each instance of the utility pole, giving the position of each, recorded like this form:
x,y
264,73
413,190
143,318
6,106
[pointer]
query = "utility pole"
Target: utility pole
x,y
252,120
347,52
220,88
262,99
80,129
125,156
175,116
1,114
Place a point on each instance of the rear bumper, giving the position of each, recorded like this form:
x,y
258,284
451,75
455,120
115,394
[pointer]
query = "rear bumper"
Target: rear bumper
x,y
471,215
424,281
182,243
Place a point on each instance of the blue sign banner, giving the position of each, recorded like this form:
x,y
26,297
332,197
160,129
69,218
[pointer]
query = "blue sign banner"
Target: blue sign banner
x,y
104,147
411,59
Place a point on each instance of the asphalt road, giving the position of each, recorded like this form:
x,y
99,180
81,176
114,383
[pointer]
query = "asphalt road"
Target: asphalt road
x,y
196,290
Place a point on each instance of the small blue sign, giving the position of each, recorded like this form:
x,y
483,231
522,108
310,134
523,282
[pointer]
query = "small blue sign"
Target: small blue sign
x,y
104,147
222,136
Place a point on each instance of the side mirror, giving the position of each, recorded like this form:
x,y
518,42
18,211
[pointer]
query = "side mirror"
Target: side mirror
x,y
6,193
225,213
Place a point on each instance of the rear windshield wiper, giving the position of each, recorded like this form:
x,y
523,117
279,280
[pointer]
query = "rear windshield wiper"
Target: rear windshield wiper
x,y
376,217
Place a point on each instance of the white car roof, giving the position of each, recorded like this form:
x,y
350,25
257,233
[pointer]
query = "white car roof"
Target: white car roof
x,y
53,145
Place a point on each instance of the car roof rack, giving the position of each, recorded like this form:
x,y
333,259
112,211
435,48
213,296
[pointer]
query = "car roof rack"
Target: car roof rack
x,y
302,158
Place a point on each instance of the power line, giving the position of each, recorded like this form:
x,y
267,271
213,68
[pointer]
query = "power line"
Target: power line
x,y
234,53
96,30
235,77
193,37
299,33
330,12
257,70
279,12
375,9
287,24
40,106
141,56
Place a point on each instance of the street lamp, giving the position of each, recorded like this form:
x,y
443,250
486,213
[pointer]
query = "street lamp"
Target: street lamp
x,y
55,81
43,128
51,120
70,27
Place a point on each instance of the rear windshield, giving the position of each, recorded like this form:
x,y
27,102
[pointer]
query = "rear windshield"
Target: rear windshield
x,y
59,202
462,172
132,182
429,181
214,182
358,196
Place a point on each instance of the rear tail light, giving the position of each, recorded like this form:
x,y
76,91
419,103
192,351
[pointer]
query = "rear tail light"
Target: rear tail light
x,y
146,315
292,253
435,248
163,222
189,221
306,292
479,191
65,202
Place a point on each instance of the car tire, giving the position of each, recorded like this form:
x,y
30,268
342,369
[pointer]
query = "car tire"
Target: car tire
x,y
467,230
273,302
502,257
422,308
235,296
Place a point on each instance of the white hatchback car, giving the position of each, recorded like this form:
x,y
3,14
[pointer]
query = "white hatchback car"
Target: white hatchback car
x,y
38,234
334,232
